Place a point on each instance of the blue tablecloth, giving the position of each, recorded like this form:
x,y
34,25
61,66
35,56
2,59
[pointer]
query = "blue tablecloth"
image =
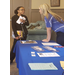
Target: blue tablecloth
x,y
23,57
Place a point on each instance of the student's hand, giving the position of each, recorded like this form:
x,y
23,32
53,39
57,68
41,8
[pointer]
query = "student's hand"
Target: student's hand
x,y
45,40
22,20
18,37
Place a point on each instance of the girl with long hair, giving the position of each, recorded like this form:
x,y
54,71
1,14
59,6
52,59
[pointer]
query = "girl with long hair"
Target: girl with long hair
x,y
54,22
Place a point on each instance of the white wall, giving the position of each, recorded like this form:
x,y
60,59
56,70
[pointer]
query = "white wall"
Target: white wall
x,y
36,3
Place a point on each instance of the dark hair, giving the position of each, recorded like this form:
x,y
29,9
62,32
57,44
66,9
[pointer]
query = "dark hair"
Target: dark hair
x,y
17,9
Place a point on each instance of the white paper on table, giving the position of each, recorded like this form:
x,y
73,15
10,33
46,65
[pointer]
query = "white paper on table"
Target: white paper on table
x,y
28,42
62,64
37,48
50,44
42,66
49,48
48,54
33,54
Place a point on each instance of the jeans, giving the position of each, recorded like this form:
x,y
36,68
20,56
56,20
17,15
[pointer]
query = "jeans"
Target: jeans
x,y
60,38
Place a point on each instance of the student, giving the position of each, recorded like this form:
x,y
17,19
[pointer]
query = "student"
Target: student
x,y
54,22
21,27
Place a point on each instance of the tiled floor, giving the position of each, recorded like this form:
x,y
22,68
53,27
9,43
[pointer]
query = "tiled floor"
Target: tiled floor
x,y
13,68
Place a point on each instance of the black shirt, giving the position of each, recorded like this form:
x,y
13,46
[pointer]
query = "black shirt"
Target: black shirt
x,y
16,26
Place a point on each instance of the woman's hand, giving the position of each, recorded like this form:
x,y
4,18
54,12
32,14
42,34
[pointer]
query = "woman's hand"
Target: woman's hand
x,y
45,40
18,37
22,20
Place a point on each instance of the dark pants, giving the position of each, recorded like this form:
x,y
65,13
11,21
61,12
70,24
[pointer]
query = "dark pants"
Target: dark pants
x,y
12,55
60,38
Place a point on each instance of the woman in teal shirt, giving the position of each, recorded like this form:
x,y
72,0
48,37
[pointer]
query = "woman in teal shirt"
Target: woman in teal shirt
x,y
54,22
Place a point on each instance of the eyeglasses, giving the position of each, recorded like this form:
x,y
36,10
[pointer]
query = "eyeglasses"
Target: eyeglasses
x,y
22,9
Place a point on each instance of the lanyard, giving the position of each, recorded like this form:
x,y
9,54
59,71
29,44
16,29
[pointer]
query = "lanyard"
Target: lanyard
x,y
23,30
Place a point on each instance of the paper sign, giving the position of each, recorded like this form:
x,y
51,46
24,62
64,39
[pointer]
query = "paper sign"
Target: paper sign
x,y
29,42
37,48
49,54
52,44
42,66
50,49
